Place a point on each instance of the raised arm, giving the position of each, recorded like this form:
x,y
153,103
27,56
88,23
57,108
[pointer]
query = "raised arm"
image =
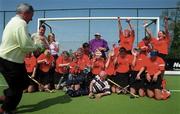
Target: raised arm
x,y
119,25
129,23
147,30
166,25
111,53
134,60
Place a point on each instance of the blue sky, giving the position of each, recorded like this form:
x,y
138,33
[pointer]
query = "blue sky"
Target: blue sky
x,y
50,4
71,34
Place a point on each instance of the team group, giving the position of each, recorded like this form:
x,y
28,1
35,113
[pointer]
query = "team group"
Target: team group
x,y
138,71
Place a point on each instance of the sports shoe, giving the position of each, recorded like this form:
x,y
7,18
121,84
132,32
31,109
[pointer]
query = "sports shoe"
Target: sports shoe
x,y
165,94
91,96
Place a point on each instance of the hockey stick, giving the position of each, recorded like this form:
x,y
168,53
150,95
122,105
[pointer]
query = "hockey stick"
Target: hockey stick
x,y
41,85
60,81
136,96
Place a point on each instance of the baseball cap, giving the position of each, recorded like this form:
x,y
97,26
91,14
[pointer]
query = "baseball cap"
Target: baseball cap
x,y
153,53
97,34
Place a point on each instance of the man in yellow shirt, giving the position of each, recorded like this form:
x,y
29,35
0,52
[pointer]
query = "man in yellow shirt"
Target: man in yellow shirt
x,y
16,43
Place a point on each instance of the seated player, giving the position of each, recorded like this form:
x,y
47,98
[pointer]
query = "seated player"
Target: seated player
x,y
45,61
137,78
77,77
122,63
30,62
62,69
155,68
99,87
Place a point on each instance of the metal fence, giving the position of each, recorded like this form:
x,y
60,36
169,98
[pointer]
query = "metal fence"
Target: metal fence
x,y
72,34
84,32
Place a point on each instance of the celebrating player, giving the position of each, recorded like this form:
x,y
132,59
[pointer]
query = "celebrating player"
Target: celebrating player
x,y
127,37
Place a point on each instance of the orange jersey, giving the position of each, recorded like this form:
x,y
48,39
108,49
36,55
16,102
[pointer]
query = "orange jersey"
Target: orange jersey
x,y
80,64
140,62
161,45
62,69
127,43
110,70
30,63
153,67
45,66
97,66
74,68
83,62
145,48
123,64
86,53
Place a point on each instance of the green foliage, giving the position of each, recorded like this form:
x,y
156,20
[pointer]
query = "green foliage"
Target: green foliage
x,y
174,28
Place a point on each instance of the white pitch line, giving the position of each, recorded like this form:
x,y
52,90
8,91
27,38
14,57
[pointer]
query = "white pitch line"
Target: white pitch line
x,y
175,90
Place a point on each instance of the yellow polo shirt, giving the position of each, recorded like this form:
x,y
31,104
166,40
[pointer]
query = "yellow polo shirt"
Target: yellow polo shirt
x,y
16,42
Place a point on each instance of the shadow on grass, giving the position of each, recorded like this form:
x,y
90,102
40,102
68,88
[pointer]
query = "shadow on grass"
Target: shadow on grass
x,y
44,104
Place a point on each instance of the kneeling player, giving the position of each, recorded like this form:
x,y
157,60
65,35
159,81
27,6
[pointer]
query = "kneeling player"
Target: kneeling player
x,y
123,62
45,62
99,86
155,68
30,62
137,78
110,70
62,70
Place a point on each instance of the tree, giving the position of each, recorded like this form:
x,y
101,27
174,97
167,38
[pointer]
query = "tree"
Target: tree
x,y
174,29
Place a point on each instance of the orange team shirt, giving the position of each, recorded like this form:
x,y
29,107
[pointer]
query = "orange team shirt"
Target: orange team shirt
x,y
153,67
98,66
127,43
123,64
161,45
144,48
30,63
140,62
80,64
116,50
45,66
60,60
74,68
110,70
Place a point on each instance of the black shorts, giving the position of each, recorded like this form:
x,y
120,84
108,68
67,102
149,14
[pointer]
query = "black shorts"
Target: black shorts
x,y
43,77
57,77
122,79
32,82
154,85
113,78
137,84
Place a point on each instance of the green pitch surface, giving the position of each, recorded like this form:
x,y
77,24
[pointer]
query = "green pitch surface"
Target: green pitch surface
x,y
59,103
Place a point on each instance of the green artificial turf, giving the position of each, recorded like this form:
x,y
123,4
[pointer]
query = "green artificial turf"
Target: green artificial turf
x,y
59,103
